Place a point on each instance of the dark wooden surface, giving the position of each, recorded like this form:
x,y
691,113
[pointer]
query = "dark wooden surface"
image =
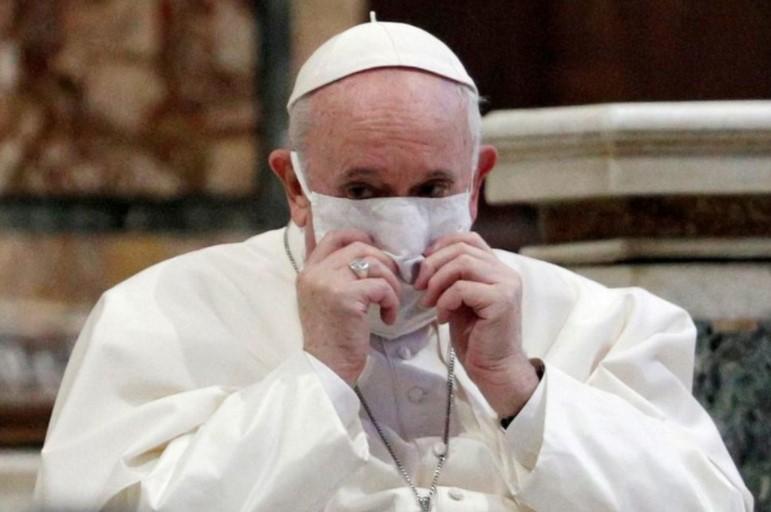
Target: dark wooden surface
x,y
560,52
24,424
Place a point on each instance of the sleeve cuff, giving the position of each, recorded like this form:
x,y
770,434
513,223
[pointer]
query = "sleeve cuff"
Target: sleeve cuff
x,y
524,434
342,396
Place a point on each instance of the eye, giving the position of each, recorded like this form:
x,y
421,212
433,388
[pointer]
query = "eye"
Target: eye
x,y
436,188
359,191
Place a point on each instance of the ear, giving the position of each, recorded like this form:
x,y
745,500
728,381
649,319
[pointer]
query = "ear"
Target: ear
x,y
299,206
488,155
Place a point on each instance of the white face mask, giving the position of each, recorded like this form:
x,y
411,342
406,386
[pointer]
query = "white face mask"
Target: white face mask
x,y
403,228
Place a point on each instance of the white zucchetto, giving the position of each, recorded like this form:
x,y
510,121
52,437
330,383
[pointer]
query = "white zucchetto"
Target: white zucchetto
x,y
377,45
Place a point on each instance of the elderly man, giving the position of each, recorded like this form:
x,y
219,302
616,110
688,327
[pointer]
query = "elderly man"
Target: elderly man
x,y
377,355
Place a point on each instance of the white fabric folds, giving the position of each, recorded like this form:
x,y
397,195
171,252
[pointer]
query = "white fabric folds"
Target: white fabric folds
x,y
377,45
188,390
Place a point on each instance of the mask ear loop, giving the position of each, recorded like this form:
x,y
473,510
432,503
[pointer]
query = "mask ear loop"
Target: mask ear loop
x,y
471,181
298,171
470,188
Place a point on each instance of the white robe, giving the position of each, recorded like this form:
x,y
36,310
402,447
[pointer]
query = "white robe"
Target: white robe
x,y
188,390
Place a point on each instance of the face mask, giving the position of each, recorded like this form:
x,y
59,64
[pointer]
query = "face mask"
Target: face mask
x,y
403,228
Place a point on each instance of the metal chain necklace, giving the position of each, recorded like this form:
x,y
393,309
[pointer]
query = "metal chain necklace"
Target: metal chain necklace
x,y
295,266
424,501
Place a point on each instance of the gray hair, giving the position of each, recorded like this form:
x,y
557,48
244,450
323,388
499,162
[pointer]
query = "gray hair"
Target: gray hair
x,y
300,123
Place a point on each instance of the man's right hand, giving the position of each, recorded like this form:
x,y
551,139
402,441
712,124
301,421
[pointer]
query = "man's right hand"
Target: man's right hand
x,y
333,302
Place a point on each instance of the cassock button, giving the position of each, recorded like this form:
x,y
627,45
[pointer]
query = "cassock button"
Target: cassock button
x,y
440,449
456,494
416,394
404,353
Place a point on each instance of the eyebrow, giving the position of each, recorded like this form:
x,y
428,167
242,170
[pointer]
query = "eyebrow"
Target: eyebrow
x,y
440,174
360,172
366,172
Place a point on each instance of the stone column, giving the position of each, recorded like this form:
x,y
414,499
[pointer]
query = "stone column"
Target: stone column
x,y
674,198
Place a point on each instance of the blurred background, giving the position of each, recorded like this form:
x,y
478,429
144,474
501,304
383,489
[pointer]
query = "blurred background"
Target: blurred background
x,y
135,130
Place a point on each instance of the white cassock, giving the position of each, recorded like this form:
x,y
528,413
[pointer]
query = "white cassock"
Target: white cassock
x,y
188,390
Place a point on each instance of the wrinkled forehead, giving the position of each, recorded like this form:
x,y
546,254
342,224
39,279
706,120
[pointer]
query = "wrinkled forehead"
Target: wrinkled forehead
x,y
394,104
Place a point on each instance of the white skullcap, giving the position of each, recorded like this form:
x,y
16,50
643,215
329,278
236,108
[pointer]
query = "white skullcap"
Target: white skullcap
x,y
377,45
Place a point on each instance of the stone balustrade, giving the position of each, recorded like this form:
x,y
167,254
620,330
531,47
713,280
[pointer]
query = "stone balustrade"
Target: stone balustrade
x,y
627,150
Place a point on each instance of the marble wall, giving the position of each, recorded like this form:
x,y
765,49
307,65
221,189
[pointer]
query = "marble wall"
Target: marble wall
x,y
153,98
131,131
732,380
113,114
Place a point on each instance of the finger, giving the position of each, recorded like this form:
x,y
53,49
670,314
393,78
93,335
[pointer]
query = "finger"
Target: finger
x,y
469,237
476,296
377,269
465,268
361,250
439,258
378,291
335,240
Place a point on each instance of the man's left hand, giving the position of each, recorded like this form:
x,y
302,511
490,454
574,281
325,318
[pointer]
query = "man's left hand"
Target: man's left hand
x,y
481,298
